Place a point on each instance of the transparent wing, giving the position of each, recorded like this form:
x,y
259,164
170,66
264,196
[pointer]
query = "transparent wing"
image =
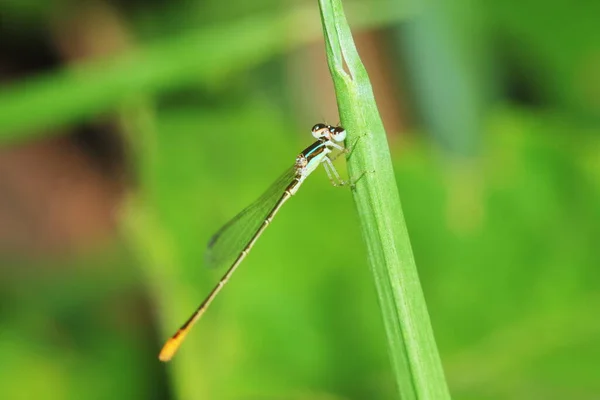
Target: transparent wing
x,y
229,241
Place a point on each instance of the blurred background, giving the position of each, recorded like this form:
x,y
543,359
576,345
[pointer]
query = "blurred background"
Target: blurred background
x,y
130,131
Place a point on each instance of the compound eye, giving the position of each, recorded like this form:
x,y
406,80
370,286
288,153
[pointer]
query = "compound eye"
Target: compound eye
x,y
338,133
318,127
318,130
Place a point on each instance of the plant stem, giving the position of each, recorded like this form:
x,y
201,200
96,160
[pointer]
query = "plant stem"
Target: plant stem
x,y
413,352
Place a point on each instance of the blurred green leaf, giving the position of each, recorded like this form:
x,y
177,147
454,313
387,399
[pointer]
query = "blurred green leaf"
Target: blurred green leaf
x,y
205,56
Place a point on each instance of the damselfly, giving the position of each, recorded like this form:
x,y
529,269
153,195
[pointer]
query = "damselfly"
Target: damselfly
x,y
232,243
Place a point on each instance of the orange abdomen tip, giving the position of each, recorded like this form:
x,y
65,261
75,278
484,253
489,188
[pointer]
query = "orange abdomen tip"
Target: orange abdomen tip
x,y
171,346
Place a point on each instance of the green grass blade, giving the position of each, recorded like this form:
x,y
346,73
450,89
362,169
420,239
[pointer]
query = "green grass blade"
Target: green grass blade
x,y
413,352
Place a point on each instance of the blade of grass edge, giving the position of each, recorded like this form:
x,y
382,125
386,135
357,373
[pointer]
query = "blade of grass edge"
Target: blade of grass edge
x,y
413,353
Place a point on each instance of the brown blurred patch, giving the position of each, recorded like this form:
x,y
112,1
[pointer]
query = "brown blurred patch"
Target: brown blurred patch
x,y
53,199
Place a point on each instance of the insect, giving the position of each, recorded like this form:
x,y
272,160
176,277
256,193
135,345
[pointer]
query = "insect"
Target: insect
x,y
232,243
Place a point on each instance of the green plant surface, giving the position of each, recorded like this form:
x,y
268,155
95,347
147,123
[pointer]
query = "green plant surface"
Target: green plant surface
x,y
412,349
